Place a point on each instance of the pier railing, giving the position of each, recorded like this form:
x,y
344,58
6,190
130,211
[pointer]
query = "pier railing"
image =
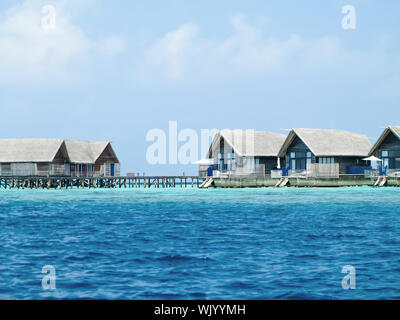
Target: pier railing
x,y
323,170
371,173
34,182
393,173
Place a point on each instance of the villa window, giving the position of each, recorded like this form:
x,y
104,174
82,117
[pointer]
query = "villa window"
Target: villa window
x,y
221,164
300,160
233,165
326,160
391,159
309,158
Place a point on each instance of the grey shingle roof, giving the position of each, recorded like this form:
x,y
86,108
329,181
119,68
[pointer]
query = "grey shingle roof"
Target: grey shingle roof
x,y
328,142
250,143
84,151
394,129
29,150
44,150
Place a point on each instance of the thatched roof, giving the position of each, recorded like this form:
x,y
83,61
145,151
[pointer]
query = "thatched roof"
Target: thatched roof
x,y
44,150
86,151
29,150
395,130
390,129
327,142
249,143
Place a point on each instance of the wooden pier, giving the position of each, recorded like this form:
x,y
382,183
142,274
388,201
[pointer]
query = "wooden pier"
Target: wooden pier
x,y
33,182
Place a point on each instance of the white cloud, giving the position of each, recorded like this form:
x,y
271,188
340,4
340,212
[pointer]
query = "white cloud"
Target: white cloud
x,y
184,53
111,45
171,53
31,53
247,50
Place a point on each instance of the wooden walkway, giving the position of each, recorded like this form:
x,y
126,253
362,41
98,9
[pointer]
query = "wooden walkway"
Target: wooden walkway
x,y
34,182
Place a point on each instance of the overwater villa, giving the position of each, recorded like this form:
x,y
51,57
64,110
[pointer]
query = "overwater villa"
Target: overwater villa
x,y
387,149
57,157
92,158
238,152
337,152
305,158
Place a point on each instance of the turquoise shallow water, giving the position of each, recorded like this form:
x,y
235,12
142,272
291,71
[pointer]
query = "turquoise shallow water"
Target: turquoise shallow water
x,y
200,244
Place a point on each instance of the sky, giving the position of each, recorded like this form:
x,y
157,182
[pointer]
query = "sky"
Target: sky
x,y
116,70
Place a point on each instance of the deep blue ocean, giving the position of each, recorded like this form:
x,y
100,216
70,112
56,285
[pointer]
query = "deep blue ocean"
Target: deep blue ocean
x,y
189,243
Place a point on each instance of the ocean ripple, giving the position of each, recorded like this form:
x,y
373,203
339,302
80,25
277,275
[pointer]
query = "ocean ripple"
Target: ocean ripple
x,y
200,244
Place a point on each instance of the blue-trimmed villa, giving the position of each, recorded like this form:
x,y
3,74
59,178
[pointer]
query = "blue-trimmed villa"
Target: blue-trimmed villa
x,y
304,147
245,152
387,148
